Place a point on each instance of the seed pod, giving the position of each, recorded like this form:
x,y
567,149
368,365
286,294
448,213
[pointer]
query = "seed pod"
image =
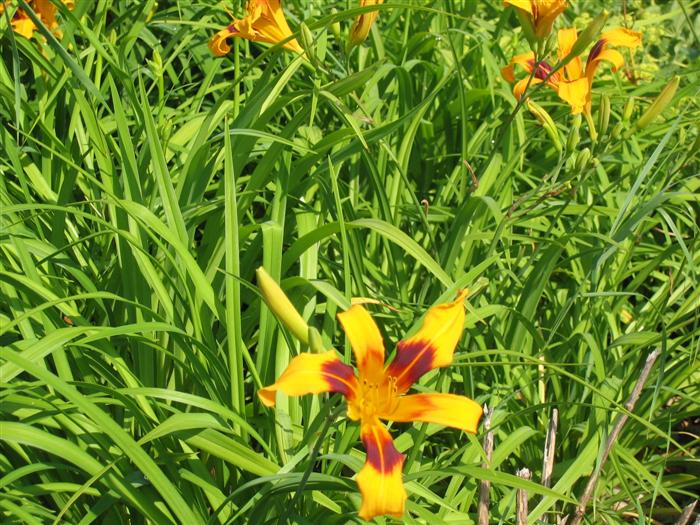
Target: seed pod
x,y
659,104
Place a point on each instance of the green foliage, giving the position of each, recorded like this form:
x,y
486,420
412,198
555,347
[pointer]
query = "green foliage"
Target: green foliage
x,y
144,181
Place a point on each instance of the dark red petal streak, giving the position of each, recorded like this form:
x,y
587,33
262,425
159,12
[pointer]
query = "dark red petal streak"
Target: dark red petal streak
x,y
381,452
413,359
340,378
595,50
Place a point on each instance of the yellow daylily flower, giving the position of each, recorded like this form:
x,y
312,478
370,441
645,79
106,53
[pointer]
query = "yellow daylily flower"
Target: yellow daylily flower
x,y
45,11
265,22
573,83
363,23
378,392
540,13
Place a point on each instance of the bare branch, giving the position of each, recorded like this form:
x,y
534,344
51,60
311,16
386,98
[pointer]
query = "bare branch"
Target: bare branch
x,y
617,428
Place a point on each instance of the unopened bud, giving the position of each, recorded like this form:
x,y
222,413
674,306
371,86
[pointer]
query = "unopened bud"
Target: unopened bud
x,y
604,114
582,159
315,341
628,109
335,26
617,131
307,41
659,104
281,306
574,135
588,35
547,123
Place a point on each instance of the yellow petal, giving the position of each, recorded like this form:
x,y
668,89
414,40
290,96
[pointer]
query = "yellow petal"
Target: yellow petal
x,y
443,409
525,5
545,12
363,23
22,24
622,37
379,479
432,346
366,341
270,25
46,11
521,85
218,44
566,39
312,374
575,93
615,58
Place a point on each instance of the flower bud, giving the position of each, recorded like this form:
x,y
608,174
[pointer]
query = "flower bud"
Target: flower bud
x,y
617,131
604,114
659,104
589,35
363,23
574,135
547,123
582,159
307,40
628,109
281,306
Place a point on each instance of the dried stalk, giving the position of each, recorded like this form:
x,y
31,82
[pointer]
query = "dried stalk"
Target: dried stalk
x,y
617,428
550,444
687,513
485,485
521,499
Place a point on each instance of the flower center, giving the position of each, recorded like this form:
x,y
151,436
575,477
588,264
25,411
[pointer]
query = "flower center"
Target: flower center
x,y
375,399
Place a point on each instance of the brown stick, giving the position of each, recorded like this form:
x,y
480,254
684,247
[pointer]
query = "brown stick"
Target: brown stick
x,y
687,513
521,499
549,446
484,485
617,428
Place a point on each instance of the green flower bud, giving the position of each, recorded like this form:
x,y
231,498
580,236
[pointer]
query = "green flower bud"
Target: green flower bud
x,y
574,135
659,104
281,306
627,111
604,114
582,159
588,35
547,123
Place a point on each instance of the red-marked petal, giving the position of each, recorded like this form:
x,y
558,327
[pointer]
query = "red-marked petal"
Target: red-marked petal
x,y
432,346
443,409
366,342
380,480
312,374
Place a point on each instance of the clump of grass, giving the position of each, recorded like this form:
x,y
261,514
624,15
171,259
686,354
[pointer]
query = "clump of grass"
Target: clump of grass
x,y
144,181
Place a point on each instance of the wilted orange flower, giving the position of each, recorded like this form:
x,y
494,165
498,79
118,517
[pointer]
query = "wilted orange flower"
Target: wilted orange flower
x,y
540,13
363,23
45,11
265,22
378,393
574,82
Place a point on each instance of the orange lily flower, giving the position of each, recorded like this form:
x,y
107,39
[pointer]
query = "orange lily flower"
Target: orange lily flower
x,y
363,23
540,13
265,22
44,9
378,393
573,83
